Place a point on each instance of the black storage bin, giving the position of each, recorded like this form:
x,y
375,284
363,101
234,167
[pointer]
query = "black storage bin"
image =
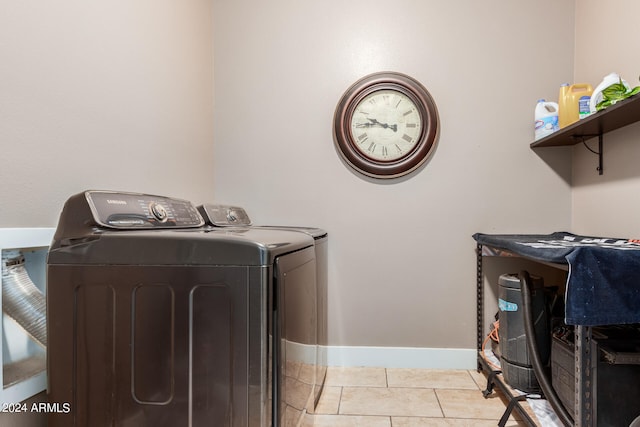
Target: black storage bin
x,y
615,360
514,355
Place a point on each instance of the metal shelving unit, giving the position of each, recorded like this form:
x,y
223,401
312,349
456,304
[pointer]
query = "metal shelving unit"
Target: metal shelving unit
x,y
585,386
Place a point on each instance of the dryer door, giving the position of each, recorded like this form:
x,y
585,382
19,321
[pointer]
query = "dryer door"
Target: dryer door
x,y
295,326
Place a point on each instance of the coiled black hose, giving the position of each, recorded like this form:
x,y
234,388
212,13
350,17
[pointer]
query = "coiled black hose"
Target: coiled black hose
x,y
532,347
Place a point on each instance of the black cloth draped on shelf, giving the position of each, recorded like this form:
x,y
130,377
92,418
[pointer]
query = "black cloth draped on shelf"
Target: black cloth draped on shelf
x,y
603,284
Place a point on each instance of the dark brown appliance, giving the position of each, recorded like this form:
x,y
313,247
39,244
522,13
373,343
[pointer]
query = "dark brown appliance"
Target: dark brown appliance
x,y
154,320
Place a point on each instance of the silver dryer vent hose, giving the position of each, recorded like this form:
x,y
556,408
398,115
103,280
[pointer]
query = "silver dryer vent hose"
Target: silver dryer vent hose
x,y
21,299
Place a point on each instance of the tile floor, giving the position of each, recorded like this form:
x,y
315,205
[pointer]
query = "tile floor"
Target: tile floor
x,y
379,397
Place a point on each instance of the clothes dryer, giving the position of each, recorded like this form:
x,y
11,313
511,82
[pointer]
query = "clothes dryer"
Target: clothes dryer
x,y
321,247
154,320
305,325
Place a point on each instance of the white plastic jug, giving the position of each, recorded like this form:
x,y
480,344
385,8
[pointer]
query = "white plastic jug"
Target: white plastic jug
x,y
546,119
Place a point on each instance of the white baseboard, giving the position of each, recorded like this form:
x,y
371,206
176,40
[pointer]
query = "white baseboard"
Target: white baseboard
x,y
402,357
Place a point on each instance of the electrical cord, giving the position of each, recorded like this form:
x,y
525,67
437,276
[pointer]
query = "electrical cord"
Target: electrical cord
x,y
494,336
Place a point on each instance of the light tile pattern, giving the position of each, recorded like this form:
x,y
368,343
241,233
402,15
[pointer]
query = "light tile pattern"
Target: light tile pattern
x,y
381,397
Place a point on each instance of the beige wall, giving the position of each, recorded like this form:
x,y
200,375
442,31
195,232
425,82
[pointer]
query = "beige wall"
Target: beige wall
x,y
402,261
607,205
105,95
118,95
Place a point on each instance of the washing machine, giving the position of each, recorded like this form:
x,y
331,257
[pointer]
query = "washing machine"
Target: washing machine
x,y
303,324
155,320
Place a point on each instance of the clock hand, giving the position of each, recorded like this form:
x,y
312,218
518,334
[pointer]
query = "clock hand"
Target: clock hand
x,y
364,125
384,125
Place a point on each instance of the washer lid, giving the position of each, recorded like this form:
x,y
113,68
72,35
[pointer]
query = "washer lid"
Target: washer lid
x,y
186,247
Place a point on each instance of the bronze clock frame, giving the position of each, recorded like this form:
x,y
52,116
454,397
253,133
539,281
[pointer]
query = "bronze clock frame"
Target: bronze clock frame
x,y
344,139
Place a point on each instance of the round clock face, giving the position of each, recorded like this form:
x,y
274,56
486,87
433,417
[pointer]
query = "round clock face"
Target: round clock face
x,y
385,125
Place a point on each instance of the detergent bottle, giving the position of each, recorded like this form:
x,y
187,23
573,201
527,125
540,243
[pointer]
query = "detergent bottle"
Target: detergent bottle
x,y
573,103
546,119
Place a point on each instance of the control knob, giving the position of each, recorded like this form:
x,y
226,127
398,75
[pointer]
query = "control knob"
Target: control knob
x,y
158,211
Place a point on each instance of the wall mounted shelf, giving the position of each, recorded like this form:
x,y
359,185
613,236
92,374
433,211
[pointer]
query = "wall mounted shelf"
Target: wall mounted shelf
x,y
615,117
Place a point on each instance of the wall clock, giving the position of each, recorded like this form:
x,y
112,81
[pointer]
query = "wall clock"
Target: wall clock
x,y
385,125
